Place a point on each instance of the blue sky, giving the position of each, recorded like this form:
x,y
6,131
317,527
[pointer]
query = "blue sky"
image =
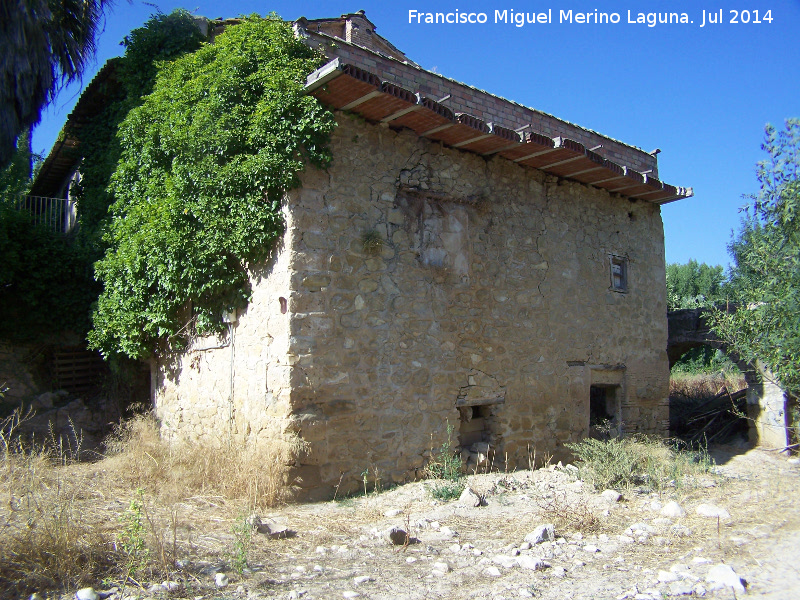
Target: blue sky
x,y
701,94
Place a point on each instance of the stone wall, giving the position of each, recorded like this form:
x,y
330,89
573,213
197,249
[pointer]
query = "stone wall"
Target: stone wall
x,y
489,291
236,386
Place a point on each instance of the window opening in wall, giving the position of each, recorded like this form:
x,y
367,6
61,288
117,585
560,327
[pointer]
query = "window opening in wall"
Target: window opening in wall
x,y
603,411
476,439
619,273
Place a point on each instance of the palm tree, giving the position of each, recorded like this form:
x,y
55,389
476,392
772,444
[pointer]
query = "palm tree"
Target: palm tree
x,y
45,45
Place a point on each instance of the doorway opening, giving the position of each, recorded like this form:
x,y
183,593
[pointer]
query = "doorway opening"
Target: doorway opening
x,y
604,411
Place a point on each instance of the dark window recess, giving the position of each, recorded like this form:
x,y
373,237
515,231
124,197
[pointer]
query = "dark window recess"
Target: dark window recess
x,y
619,273
475,425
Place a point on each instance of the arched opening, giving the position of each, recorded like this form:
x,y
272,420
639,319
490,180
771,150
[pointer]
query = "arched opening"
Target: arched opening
x,y
706,405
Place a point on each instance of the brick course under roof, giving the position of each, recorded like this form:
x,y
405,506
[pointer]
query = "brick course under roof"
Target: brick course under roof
x,y
393,90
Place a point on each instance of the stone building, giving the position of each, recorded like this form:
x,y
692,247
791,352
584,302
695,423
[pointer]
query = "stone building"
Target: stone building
x,y
465,260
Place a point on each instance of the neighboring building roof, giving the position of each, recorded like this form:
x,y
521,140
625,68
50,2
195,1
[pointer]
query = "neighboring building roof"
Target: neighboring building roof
x,y
354,28
65,154
386,87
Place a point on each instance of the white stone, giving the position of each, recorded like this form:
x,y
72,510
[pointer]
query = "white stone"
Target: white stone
x,y
679,568
625,539
221,580
591,549
543,533
700,560
87,593
681,530
699,590
170,585
680,588
723,576
559,572
469,498
411,559
361,579
441,566
611,495
667,577
531,563
507,562
710,510
393,513
629,594
640,527
673,509
350,594
492,572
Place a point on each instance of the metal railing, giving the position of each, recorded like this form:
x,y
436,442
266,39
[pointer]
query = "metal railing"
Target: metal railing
x,y
56,214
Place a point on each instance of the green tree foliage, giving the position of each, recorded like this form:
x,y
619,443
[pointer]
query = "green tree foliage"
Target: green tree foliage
x,y
45,43
47,280
15,177
766,276
694,284
46,283
206,161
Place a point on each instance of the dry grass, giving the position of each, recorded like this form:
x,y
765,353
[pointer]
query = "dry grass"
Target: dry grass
x,y
704,385
48,537
60,529
141,458
568,514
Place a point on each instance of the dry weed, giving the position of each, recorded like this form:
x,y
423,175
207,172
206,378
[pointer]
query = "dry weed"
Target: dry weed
x,y
57,532
570,514
48,537
177,470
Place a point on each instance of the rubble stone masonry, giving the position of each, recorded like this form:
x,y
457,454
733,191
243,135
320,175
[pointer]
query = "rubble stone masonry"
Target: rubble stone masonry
x,y
488,300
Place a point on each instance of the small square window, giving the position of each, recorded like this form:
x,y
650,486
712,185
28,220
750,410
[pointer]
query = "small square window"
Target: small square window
x,y
619,273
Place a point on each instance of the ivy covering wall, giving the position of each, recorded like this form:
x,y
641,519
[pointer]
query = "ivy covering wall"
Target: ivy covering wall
x,y
205,162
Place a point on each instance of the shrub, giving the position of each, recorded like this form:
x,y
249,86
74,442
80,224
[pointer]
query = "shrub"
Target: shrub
x,y
445,468
625,462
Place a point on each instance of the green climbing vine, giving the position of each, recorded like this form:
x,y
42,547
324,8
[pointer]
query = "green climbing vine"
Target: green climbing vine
x,y
205,162
47,283
163,37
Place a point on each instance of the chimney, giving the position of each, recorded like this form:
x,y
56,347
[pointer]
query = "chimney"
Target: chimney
x,y
359,30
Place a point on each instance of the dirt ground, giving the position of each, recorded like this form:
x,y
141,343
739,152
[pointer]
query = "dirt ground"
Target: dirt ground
x,y
603,549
